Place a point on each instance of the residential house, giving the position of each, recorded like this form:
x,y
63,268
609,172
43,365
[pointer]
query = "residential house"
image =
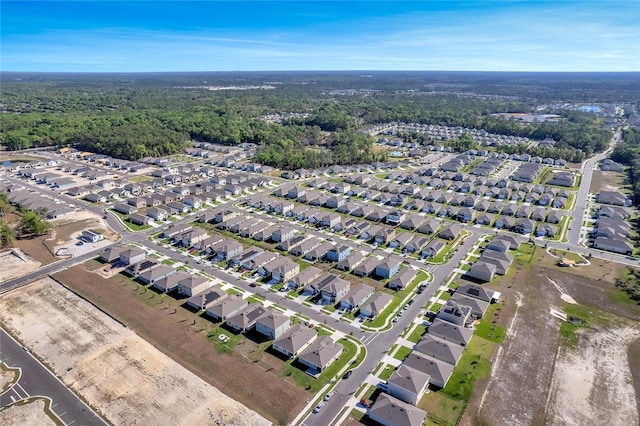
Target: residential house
x,y
272,324
207,298
439,371
455,313
351,261
388,267
246,319
389,411
407,384
132,256
366,267
170,282
478,307
442,350
320,354
193,284
154,274
304,278
450,232
402,279
294,340
338,253
375,305
283,269
356,297
450,332
226,308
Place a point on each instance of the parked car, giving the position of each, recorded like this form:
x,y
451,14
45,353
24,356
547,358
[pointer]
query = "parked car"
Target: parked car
x,y
328,396
347,374
318,408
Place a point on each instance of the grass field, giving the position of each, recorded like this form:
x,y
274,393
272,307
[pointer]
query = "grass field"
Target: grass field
x,y
488,329
441,409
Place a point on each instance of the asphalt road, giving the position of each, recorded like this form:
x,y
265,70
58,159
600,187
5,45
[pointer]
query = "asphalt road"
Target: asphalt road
x,y
377,343
36,380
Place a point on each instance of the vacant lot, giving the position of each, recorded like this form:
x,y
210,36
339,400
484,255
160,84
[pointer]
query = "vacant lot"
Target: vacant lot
x,y
125,378
532,354
14,266
31,413
249,375
608,181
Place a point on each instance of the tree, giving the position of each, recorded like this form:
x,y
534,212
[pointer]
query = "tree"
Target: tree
x,y
34,224
7,234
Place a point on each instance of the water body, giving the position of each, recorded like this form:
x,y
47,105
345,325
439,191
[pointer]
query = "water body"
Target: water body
x,y
590,108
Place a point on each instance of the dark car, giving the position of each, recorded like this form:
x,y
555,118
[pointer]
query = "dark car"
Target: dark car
x,y
347,374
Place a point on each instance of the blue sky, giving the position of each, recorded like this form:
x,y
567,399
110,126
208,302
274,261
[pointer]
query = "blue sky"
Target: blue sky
x,y
119,36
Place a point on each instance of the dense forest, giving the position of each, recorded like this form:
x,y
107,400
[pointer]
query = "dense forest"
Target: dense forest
x,y
628,153
136,115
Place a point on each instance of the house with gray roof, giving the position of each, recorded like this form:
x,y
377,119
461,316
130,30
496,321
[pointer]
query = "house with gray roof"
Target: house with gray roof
x,y
451,332
356,297
439,371
455,313
246,319
193,284
294,340
443,350
478,307
366,267
616,245
272,324
407,384
351,261
320,354
376,304
390,411
305,277
402,279
226,307
207,298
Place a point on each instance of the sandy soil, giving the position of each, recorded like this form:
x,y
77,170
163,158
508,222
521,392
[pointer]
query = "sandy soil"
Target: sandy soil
x,y
7,377
16,266
563,386
182,335
124,377
31,413
593,384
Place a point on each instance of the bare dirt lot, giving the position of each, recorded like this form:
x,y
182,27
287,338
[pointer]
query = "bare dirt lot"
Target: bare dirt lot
x,y
31,413
533,353
124,377
607,181
249,374
16,264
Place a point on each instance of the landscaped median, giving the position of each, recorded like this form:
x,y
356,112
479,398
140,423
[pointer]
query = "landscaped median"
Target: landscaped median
x,y
383,321
450,248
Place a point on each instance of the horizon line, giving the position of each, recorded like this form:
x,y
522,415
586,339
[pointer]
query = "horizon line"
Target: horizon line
x,y
320,71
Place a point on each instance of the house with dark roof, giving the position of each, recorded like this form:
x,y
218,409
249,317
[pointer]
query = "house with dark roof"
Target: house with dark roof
x,y
478,307
390,411
616,245
351,261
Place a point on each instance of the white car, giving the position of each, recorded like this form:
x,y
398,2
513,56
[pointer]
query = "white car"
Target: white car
x,y
318,408
328,396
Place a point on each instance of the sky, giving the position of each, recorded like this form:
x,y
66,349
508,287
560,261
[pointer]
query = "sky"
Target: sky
x,y
159,36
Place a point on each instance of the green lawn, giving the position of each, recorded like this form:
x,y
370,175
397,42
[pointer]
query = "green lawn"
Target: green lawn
x,y
402,353
470,368
125,221
441,410
386,372
224,347
489,330
567,255
307,382
381,319
416,334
